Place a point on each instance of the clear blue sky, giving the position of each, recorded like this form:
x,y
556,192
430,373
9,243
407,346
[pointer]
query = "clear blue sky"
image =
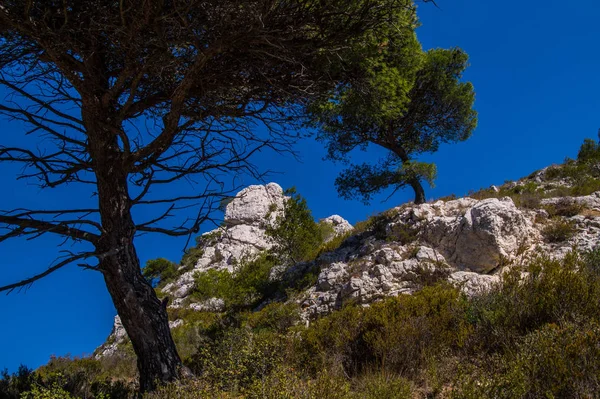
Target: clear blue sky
x,y
535,70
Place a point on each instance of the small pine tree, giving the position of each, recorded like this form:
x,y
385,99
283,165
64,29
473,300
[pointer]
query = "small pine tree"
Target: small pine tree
x,y
296,234
589,151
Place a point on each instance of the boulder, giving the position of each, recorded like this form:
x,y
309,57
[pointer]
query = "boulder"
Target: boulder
x,y
482,237
251,205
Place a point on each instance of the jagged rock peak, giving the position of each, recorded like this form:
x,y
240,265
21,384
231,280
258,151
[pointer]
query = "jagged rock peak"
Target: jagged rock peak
x,y
252,205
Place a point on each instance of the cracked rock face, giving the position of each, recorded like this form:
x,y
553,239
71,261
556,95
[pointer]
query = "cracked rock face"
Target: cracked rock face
x,y
241,237
473,235
480,239
339,224
252,204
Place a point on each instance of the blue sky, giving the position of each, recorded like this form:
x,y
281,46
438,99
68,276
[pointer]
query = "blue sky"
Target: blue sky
x,y
534,66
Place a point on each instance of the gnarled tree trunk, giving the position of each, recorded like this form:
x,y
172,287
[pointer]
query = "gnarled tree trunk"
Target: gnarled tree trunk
x,y
142,313
419,191
143,316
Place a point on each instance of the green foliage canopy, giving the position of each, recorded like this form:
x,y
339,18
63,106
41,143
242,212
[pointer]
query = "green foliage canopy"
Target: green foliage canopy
x,y
160,269
403,99
297,236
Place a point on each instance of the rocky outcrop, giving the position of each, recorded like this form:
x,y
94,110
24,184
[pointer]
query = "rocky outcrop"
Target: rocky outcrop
x,y
466,242
242,236
339,224
476,235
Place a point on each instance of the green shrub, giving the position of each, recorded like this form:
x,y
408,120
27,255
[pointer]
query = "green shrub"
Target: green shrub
x,y
527,195
275,316
161,270
191,256
550,291
401,233
564,207
237,357
556,361
285,383
432,273
559,230
399,333
296,234
383,385
188,389
40,392
248,285
335,243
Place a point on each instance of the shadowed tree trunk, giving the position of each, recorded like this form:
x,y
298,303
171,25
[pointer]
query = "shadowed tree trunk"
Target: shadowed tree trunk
x,y
142,314
419,191
414,182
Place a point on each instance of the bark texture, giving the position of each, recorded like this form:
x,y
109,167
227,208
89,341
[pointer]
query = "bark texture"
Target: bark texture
x,y
143,315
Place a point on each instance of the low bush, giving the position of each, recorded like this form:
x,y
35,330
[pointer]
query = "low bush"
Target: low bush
x,y
559,230
237,357
564,207
275,316
549,291
247,286
399,333
556,361
40,392
383,385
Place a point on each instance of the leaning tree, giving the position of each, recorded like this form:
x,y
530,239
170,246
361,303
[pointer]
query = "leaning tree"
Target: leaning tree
x,y
402,99
128,96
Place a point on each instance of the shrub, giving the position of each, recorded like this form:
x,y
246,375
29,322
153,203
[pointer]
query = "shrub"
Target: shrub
x,y
383,385
401,233
191,256
54,392
296,234
556,361
188,389
275,316
161,270
564,207
237,357
432,273
285,383
559,230
551,291
398,333
247,286
335,243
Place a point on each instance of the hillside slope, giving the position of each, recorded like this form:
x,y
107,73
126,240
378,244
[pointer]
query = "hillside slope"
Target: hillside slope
x,y
469,242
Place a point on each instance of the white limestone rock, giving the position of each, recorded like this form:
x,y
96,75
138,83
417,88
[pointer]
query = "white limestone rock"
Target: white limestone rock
x,y
339,224
482,236
117,336
252,204
210,305
473,283
591,201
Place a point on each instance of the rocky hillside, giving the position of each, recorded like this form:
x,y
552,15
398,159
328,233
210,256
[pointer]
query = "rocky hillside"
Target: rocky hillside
x,y
467,241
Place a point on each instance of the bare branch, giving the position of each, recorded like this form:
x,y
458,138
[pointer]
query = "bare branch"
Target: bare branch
x,y
63,228
28,282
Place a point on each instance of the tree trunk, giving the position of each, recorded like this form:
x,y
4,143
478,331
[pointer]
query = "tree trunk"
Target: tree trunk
x,y
419,191
415,183
142,314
